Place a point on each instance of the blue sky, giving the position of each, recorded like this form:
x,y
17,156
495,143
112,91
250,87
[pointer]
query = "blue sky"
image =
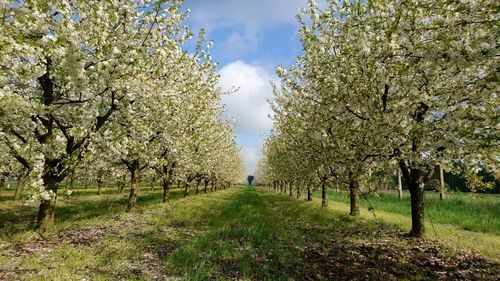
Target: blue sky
x,y
251,38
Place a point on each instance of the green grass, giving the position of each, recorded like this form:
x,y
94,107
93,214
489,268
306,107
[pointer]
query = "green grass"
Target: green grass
x,y
475,212
238,234
83,207
245,239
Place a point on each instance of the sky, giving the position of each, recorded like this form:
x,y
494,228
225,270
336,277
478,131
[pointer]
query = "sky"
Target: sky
x,y
251,38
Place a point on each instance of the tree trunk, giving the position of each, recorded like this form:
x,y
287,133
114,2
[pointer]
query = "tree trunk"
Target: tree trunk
x,y
2,183
324,194
298,192
99,186
415,180
309,194
206,184
21,179
417,210
400,185
198,182
186,189
139,182
153,184
47,208
212,185
166,189
121,183
134,185
290,189
441,177
46,215
354,195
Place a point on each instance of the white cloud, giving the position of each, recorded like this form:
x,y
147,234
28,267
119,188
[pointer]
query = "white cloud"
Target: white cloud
x,y
249,104
251,156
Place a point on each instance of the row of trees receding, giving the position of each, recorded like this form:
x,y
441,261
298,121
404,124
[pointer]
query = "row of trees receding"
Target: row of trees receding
x,y
385,86
105,88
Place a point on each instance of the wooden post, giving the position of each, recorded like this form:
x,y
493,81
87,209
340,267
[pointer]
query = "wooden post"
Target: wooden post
x,y
441,176
400,185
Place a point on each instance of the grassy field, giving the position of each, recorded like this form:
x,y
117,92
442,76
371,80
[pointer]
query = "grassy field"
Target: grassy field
x,y
475,212
83,207
237,234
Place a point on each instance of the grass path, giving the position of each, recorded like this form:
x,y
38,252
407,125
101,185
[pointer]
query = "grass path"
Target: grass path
x,y
236,234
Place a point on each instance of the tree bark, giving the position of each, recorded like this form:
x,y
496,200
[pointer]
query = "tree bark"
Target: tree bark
x,y
134,185
167,174
2,183
415,179
441,177
354,194
166,189
186,189
298,192
417,211
122,183
400,185
99,186
206,184
309,194
47,208
46,215
324,194
198,182
21,179
290,189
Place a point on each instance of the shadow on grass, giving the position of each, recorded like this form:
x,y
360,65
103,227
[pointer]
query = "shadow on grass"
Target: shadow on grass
x,y
17,217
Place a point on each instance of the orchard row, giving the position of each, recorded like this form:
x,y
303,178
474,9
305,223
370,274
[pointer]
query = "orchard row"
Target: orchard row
x,y
105,89
384,86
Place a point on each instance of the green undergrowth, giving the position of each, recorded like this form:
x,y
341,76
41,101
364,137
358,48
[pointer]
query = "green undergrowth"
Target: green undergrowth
x,y
474,212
